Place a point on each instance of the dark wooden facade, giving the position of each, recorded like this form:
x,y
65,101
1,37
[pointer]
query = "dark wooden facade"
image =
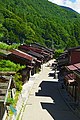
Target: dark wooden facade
x,y
77,74
70,56
74,55
30,55
63,59
6,87
69,63
48,54
72,81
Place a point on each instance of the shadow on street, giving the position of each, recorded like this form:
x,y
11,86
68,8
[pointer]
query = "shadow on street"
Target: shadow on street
x,y
58,109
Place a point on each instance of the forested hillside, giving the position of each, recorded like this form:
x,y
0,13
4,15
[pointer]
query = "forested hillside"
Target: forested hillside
x,y
39,21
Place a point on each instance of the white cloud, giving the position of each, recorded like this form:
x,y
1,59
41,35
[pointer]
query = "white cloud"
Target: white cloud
x,y
74,5
59,2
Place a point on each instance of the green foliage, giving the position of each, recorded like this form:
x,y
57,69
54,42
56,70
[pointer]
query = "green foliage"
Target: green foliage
x,y
10,100
58,52
18,81
39,21
7,65
5,46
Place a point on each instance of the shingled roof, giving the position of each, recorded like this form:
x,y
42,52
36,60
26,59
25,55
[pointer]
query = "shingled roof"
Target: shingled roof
x,y
22,54
35,54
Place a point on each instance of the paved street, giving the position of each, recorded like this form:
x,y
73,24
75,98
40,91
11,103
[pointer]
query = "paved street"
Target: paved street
x,y
45,101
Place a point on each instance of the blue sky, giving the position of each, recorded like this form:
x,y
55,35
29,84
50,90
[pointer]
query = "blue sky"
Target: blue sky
x,y
73,0
74,4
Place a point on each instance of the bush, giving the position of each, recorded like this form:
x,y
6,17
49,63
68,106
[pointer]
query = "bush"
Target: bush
x,y
18,81
7,65
5,46
58,52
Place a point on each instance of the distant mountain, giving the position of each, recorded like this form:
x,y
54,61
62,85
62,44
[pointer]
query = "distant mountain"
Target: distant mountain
x,y
39,21
68,8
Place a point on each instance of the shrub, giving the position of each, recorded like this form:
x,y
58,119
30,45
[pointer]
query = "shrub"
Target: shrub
x,y
58,52
7,65
18,81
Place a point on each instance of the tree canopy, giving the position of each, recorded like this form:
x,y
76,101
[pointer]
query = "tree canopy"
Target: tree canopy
x,y
39,21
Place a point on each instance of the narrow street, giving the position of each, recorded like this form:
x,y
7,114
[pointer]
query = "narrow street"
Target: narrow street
x,y
45,101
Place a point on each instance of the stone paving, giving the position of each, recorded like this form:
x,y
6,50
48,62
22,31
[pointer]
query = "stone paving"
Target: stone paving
x,y
23,97
45,101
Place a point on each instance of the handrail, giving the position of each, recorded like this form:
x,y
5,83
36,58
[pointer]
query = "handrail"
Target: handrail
x,y
8,90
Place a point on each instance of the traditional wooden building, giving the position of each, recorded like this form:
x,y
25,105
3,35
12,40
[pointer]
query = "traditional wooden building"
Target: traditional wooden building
x,y
77,74
4,54
72,81
37,55
69,63
22,58
63,59
31,62
45,49
74,55
7,89
40,51
69,57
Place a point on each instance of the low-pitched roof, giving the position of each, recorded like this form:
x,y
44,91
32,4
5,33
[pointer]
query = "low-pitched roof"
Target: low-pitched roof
x,y
74,48
71,67
32,48
5,52
42,47
77,65
35,54
22,54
